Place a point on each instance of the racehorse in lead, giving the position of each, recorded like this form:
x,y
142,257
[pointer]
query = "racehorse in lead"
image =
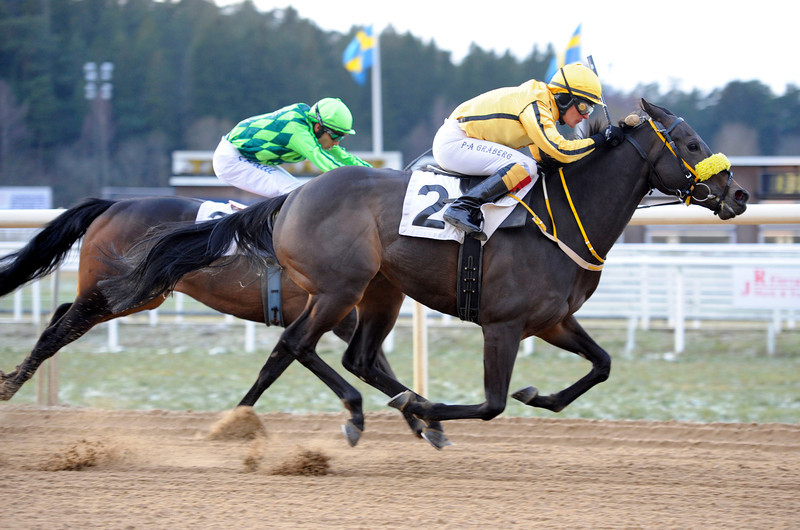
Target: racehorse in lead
x,y
232,287
337,237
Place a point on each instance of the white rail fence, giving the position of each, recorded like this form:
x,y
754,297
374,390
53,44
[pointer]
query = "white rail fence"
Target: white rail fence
x,y
677,286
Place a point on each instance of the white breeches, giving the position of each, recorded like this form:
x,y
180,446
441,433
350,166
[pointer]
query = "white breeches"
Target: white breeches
x,y
455,151
262,179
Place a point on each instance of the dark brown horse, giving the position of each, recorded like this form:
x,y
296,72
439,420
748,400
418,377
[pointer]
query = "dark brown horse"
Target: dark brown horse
x,y
114,226
337,237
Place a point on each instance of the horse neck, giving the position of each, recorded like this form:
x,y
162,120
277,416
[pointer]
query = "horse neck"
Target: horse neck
x,y
605,189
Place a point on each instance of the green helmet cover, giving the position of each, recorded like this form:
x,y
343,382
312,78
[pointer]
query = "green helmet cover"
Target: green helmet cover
x,y
332,113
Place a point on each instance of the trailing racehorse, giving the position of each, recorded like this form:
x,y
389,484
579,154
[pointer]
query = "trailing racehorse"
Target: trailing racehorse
x,y
337,237
108,227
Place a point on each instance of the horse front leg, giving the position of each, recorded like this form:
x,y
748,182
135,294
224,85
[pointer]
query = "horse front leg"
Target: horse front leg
x,y
500,346
365,359
569,335
377,314
277,362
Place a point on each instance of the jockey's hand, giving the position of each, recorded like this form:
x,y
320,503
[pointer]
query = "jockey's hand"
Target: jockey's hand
x,y
613,135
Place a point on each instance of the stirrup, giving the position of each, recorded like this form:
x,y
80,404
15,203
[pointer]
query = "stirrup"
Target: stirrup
x,y
480,235
468,229
464,226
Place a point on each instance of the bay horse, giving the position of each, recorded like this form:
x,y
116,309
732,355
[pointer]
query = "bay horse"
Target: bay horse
x,y
107,226
337,237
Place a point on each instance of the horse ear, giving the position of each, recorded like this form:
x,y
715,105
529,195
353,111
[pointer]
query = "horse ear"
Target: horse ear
x,y
655,112
648,107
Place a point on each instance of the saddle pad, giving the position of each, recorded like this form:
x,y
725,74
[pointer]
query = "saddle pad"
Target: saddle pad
x,y
212,209
428,195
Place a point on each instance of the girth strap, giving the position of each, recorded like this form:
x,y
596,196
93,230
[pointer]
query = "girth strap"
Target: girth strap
x,y
271,296
468,295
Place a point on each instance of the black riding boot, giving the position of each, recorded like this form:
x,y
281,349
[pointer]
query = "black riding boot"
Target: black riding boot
x,y
465,212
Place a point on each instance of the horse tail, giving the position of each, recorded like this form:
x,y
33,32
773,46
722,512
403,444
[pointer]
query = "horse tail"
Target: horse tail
x,y
157,263
43,254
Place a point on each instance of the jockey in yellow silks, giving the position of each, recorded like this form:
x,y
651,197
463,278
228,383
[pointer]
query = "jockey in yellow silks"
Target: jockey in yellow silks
x,y
482,137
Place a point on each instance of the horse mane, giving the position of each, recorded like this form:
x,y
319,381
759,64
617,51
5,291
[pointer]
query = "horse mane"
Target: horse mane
x,y
593,125
597,123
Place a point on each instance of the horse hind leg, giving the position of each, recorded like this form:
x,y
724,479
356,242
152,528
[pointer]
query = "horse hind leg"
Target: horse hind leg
x,y
299,341
570,336
70,321
279,360
11,382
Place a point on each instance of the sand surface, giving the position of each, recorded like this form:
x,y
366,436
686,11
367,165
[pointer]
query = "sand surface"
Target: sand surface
x,y
64,467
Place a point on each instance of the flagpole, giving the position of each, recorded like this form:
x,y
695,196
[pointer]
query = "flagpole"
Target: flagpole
x,y
377,104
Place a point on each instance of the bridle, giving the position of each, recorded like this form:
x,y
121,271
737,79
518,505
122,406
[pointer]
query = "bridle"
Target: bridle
x,y
695,176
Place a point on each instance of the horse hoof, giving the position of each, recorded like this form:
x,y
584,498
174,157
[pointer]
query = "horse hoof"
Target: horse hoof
x,y
526,395
417,425
351,433
7,390
401,400
436,438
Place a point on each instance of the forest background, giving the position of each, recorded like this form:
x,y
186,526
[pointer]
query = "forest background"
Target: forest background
x,y
184,72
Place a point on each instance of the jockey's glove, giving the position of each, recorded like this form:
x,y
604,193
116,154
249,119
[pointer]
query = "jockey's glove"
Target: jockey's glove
x,y
612,136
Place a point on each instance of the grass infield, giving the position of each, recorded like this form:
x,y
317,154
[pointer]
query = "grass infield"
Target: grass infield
x,y
725,374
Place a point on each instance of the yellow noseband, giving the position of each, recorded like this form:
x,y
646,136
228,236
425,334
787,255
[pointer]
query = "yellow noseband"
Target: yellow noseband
x,y
712,165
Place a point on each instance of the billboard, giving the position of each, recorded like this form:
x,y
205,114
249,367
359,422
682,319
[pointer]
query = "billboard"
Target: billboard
x,y
766,287
26,197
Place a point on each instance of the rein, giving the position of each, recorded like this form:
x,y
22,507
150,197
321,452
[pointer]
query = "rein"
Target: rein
x,y
554,236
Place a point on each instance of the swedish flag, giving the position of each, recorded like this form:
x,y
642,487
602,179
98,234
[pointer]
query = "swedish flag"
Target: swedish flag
x,y
572,54
357,57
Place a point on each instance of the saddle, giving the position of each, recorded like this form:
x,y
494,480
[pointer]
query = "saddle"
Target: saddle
x,y
518,216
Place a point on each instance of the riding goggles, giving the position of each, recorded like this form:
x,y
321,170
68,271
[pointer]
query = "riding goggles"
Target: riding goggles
x,y
335,135
583,106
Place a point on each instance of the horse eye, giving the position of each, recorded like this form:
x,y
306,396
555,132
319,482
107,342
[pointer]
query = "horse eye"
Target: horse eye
x,y
693,146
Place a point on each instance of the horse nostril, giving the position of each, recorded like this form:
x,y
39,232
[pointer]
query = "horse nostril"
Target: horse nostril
x,y
741,195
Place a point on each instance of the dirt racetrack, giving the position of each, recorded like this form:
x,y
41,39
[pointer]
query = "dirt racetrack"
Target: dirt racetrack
x,y
68,467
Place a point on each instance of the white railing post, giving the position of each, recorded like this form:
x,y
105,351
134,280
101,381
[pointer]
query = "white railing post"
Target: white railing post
x,y
36,302
113,336
179,300
528,345
630,342
771,338
388,342
679,311
17,305
249,336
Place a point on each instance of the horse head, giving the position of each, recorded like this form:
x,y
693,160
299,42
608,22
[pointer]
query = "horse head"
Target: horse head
x,y
681,164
